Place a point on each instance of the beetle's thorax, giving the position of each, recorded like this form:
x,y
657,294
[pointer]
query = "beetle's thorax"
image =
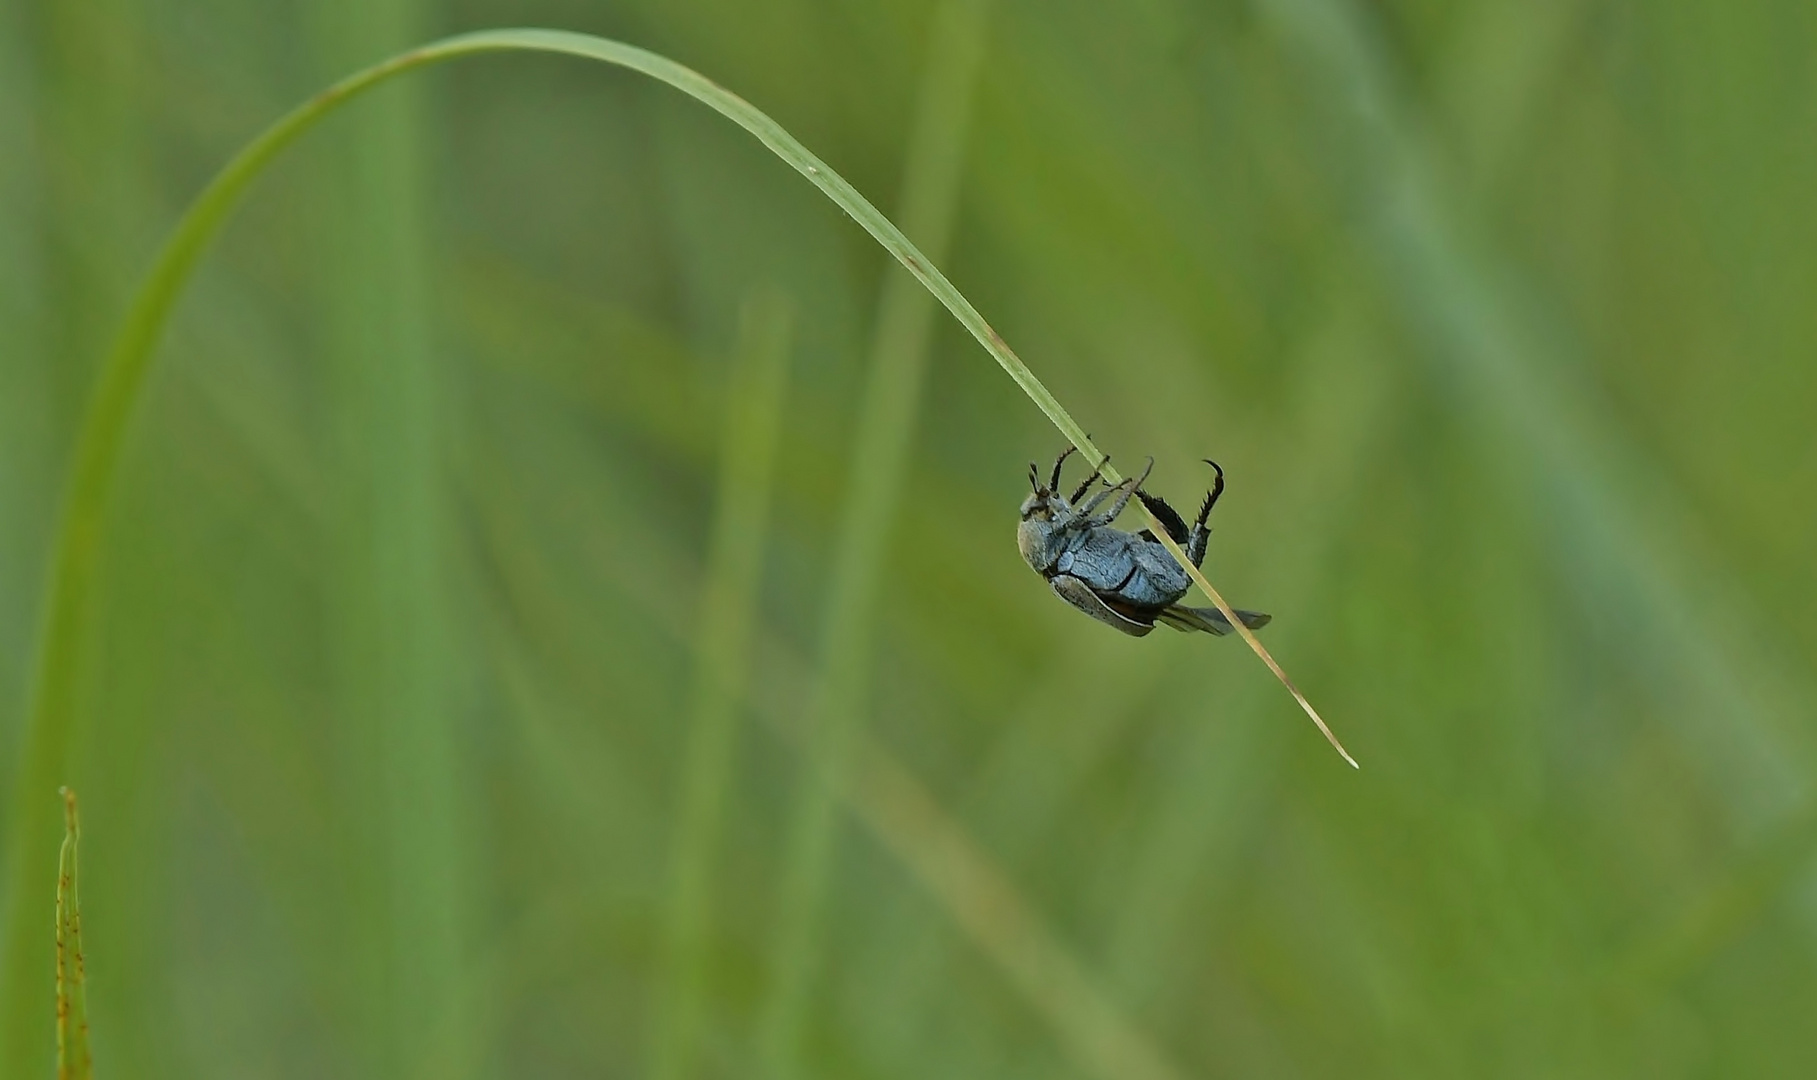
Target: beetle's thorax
x,y
1041,534
1034,539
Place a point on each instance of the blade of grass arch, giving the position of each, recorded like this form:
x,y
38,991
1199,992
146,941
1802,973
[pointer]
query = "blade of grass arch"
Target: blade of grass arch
x,y
77,547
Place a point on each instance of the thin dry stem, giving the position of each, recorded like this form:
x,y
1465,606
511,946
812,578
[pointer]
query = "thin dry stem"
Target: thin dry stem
x,y
1111,476
1248,635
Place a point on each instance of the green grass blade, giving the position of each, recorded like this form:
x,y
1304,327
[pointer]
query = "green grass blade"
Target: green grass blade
x,y
963,878
73,1059
885,432
722,647
392,643
1624,517
44,758
987,907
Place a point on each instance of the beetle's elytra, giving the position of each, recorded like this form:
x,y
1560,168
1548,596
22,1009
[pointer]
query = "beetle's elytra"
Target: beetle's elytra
x,y
1127,580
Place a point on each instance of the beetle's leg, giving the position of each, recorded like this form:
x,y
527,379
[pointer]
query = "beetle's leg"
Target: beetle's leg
x,y
1124,492
1165,514
1201,533
1098,499
1195,544
1090,480
1211,497
1129,484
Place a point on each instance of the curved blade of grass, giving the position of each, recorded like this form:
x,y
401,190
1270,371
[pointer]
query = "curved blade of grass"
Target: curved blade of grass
x,y
73,1059
722,648
122,380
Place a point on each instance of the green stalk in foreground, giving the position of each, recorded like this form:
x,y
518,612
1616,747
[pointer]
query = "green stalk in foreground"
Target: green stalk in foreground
x,y
73,1059
722,659
43,761
887,414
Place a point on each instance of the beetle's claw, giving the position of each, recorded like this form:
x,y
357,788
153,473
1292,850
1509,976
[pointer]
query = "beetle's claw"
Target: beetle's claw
x,y
1211,497
1146,469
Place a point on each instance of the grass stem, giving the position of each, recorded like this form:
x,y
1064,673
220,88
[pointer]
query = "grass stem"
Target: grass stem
x,y
74,1062
722,647
879,463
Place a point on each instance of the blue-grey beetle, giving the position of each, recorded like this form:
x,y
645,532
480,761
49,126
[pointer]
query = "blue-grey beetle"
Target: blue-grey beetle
x,y
1127,580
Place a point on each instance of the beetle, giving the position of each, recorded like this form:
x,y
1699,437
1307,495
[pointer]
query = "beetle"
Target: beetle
x,y
1125,580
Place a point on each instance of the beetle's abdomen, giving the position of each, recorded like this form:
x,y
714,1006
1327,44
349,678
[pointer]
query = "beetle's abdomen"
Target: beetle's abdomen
x,y
1121,565
1164,581
1100,558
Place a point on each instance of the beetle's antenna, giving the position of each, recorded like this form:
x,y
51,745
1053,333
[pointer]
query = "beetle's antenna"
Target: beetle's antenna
x,y
1034,477
1054,484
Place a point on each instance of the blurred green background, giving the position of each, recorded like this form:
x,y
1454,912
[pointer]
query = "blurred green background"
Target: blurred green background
x,y
414,650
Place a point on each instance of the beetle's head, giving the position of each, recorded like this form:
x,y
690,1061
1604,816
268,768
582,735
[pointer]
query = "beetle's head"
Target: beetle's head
x,y
1035,532
1043,502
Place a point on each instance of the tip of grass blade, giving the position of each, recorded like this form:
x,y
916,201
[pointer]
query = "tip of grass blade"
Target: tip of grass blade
x,y
1262,651
1317,719
1255,644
